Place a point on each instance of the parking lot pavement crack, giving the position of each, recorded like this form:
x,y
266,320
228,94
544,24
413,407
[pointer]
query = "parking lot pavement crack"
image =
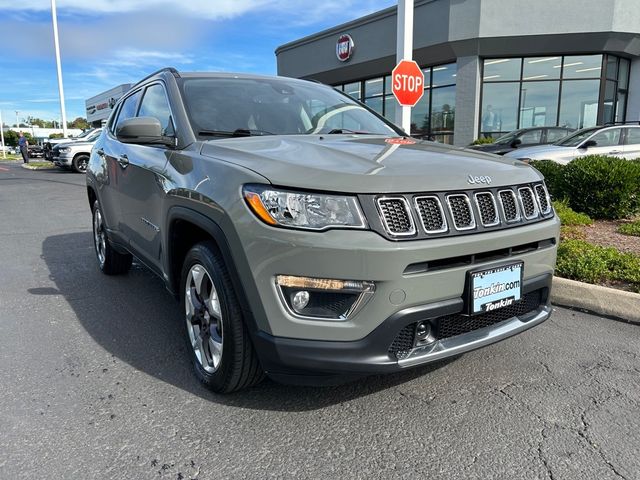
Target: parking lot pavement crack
x,y
583,432
542,456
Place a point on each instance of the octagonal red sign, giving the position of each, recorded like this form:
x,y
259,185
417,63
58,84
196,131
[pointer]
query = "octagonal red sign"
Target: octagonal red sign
x,y
407,83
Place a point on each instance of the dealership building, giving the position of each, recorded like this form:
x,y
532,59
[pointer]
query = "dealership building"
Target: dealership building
x,y
99,107
490,66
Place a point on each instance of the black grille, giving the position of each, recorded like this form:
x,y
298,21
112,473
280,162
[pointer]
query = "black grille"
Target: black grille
x,y
487,208
509,205
403,343
528,202
396,216
453,325
431,214
461,211
542,199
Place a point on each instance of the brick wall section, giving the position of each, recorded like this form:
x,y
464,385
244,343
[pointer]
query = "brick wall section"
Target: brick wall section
x,y
467,100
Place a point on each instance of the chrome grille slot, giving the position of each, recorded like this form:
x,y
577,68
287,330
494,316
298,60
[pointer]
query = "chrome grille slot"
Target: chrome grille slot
x,y
509,206
460,208
396,217
543,199
529,206
488,210
431,214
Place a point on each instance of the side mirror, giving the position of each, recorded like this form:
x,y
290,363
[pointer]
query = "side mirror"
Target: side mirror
x,y
143,131
516,143
589,143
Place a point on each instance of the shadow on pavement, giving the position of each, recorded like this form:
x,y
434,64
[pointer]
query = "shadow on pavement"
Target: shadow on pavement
x,y
136,320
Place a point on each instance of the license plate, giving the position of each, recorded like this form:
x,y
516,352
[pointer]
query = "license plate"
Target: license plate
x,y
495,288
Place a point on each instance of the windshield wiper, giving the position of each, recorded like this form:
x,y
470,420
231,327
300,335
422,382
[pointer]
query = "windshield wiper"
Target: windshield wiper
x,y
337,131
239,132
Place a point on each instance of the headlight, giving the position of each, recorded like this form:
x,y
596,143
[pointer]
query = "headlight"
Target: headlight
x,y
309,211
65,150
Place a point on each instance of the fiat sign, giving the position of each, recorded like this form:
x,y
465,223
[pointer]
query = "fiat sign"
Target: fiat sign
x,y
407,83
344,47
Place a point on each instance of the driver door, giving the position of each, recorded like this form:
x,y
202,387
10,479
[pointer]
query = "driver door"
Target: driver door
x,y
608,142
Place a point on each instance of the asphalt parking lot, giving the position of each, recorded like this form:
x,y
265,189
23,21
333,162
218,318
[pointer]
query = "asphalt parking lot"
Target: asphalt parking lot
x,y
95,383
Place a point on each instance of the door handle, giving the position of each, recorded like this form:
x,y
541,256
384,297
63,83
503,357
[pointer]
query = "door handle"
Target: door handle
x,y
123,160
615,152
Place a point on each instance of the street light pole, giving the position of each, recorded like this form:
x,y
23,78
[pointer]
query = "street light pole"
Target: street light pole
x,y
54,16
17,124
404,52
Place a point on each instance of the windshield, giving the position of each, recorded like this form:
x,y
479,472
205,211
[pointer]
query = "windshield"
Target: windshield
x,y
94,135
577,138
85,133
224,107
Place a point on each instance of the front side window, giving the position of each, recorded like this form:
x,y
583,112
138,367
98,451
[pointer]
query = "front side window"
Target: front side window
x,y
128,109
154,104
607,138
555,134
223,107
577,138
531,137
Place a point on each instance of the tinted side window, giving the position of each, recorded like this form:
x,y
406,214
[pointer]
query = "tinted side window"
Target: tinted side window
x,y
555,134
154,104
608,138
128,109
633,136
531,137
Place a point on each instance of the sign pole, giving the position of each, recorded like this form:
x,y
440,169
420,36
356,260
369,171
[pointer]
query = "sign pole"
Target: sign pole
x,y
404,52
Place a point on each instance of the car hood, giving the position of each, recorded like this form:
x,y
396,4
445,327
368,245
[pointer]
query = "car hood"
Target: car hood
x,y
491,148
365,164
539,152
74,144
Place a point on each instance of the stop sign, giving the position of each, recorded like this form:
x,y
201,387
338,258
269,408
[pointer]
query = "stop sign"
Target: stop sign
x,y
407,83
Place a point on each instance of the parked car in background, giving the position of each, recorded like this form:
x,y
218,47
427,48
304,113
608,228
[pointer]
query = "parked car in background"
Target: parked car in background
x,y
48,145
616,141
36,151
524,137
75,155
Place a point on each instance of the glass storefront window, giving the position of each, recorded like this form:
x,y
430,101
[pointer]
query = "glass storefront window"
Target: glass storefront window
x,y
500,69
539,104
538,68
609,101
373,87
579,103
611,70
420,116
374,103
443,113
582,66
623,75
427,77
390,104
444,75
353,89
499,108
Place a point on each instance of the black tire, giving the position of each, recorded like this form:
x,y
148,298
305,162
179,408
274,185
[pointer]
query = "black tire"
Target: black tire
x,y
110,261
238,366
80,163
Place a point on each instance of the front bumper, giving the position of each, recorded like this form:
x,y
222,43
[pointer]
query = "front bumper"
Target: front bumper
x,y
312,361
63,160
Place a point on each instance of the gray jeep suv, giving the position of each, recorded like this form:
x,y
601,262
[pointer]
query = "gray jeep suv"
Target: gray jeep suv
x,y
310,239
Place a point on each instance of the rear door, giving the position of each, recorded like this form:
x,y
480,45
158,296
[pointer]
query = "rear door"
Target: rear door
x,y
632,143
555,134
141,175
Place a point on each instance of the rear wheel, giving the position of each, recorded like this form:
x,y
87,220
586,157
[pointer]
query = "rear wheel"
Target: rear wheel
x,y
221,351
80,163
110,261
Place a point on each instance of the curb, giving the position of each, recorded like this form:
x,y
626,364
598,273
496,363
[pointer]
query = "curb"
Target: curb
x,y
34,167
597,299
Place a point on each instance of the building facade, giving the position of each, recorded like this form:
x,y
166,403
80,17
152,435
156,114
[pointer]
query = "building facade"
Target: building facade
x,y
99,107
491,66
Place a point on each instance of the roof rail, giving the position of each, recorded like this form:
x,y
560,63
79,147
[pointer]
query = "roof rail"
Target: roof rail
x,y
165,69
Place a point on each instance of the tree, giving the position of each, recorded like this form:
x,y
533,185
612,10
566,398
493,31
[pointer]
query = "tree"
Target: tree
x,y
11,138
56,135
80,123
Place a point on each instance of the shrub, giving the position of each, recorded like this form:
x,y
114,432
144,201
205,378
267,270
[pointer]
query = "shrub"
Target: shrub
x,y
632,228
553,176
603,187
579,260
569,217
483,141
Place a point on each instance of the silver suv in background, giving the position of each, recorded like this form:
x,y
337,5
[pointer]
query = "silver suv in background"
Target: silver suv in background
x,y
75,155
616,140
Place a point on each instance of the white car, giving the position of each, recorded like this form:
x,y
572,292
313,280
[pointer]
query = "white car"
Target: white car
x,y
615,141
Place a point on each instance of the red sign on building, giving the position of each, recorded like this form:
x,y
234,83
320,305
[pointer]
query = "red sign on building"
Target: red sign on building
x,y
407,83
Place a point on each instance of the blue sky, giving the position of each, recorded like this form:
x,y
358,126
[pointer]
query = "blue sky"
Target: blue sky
x,y
108,42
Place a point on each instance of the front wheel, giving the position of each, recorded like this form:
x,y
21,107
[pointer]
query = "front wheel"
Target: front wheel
x,y
221,351
80,163
110,261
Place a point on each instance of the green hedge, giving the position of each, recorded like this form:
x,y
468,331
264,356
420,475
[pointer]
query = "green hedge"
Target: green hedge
x,y
582,261
632,228
553,176
569,217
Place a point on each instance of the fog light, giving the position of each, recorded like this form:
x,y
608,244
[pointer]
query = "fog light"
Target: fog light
x,y
423,330
300,300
